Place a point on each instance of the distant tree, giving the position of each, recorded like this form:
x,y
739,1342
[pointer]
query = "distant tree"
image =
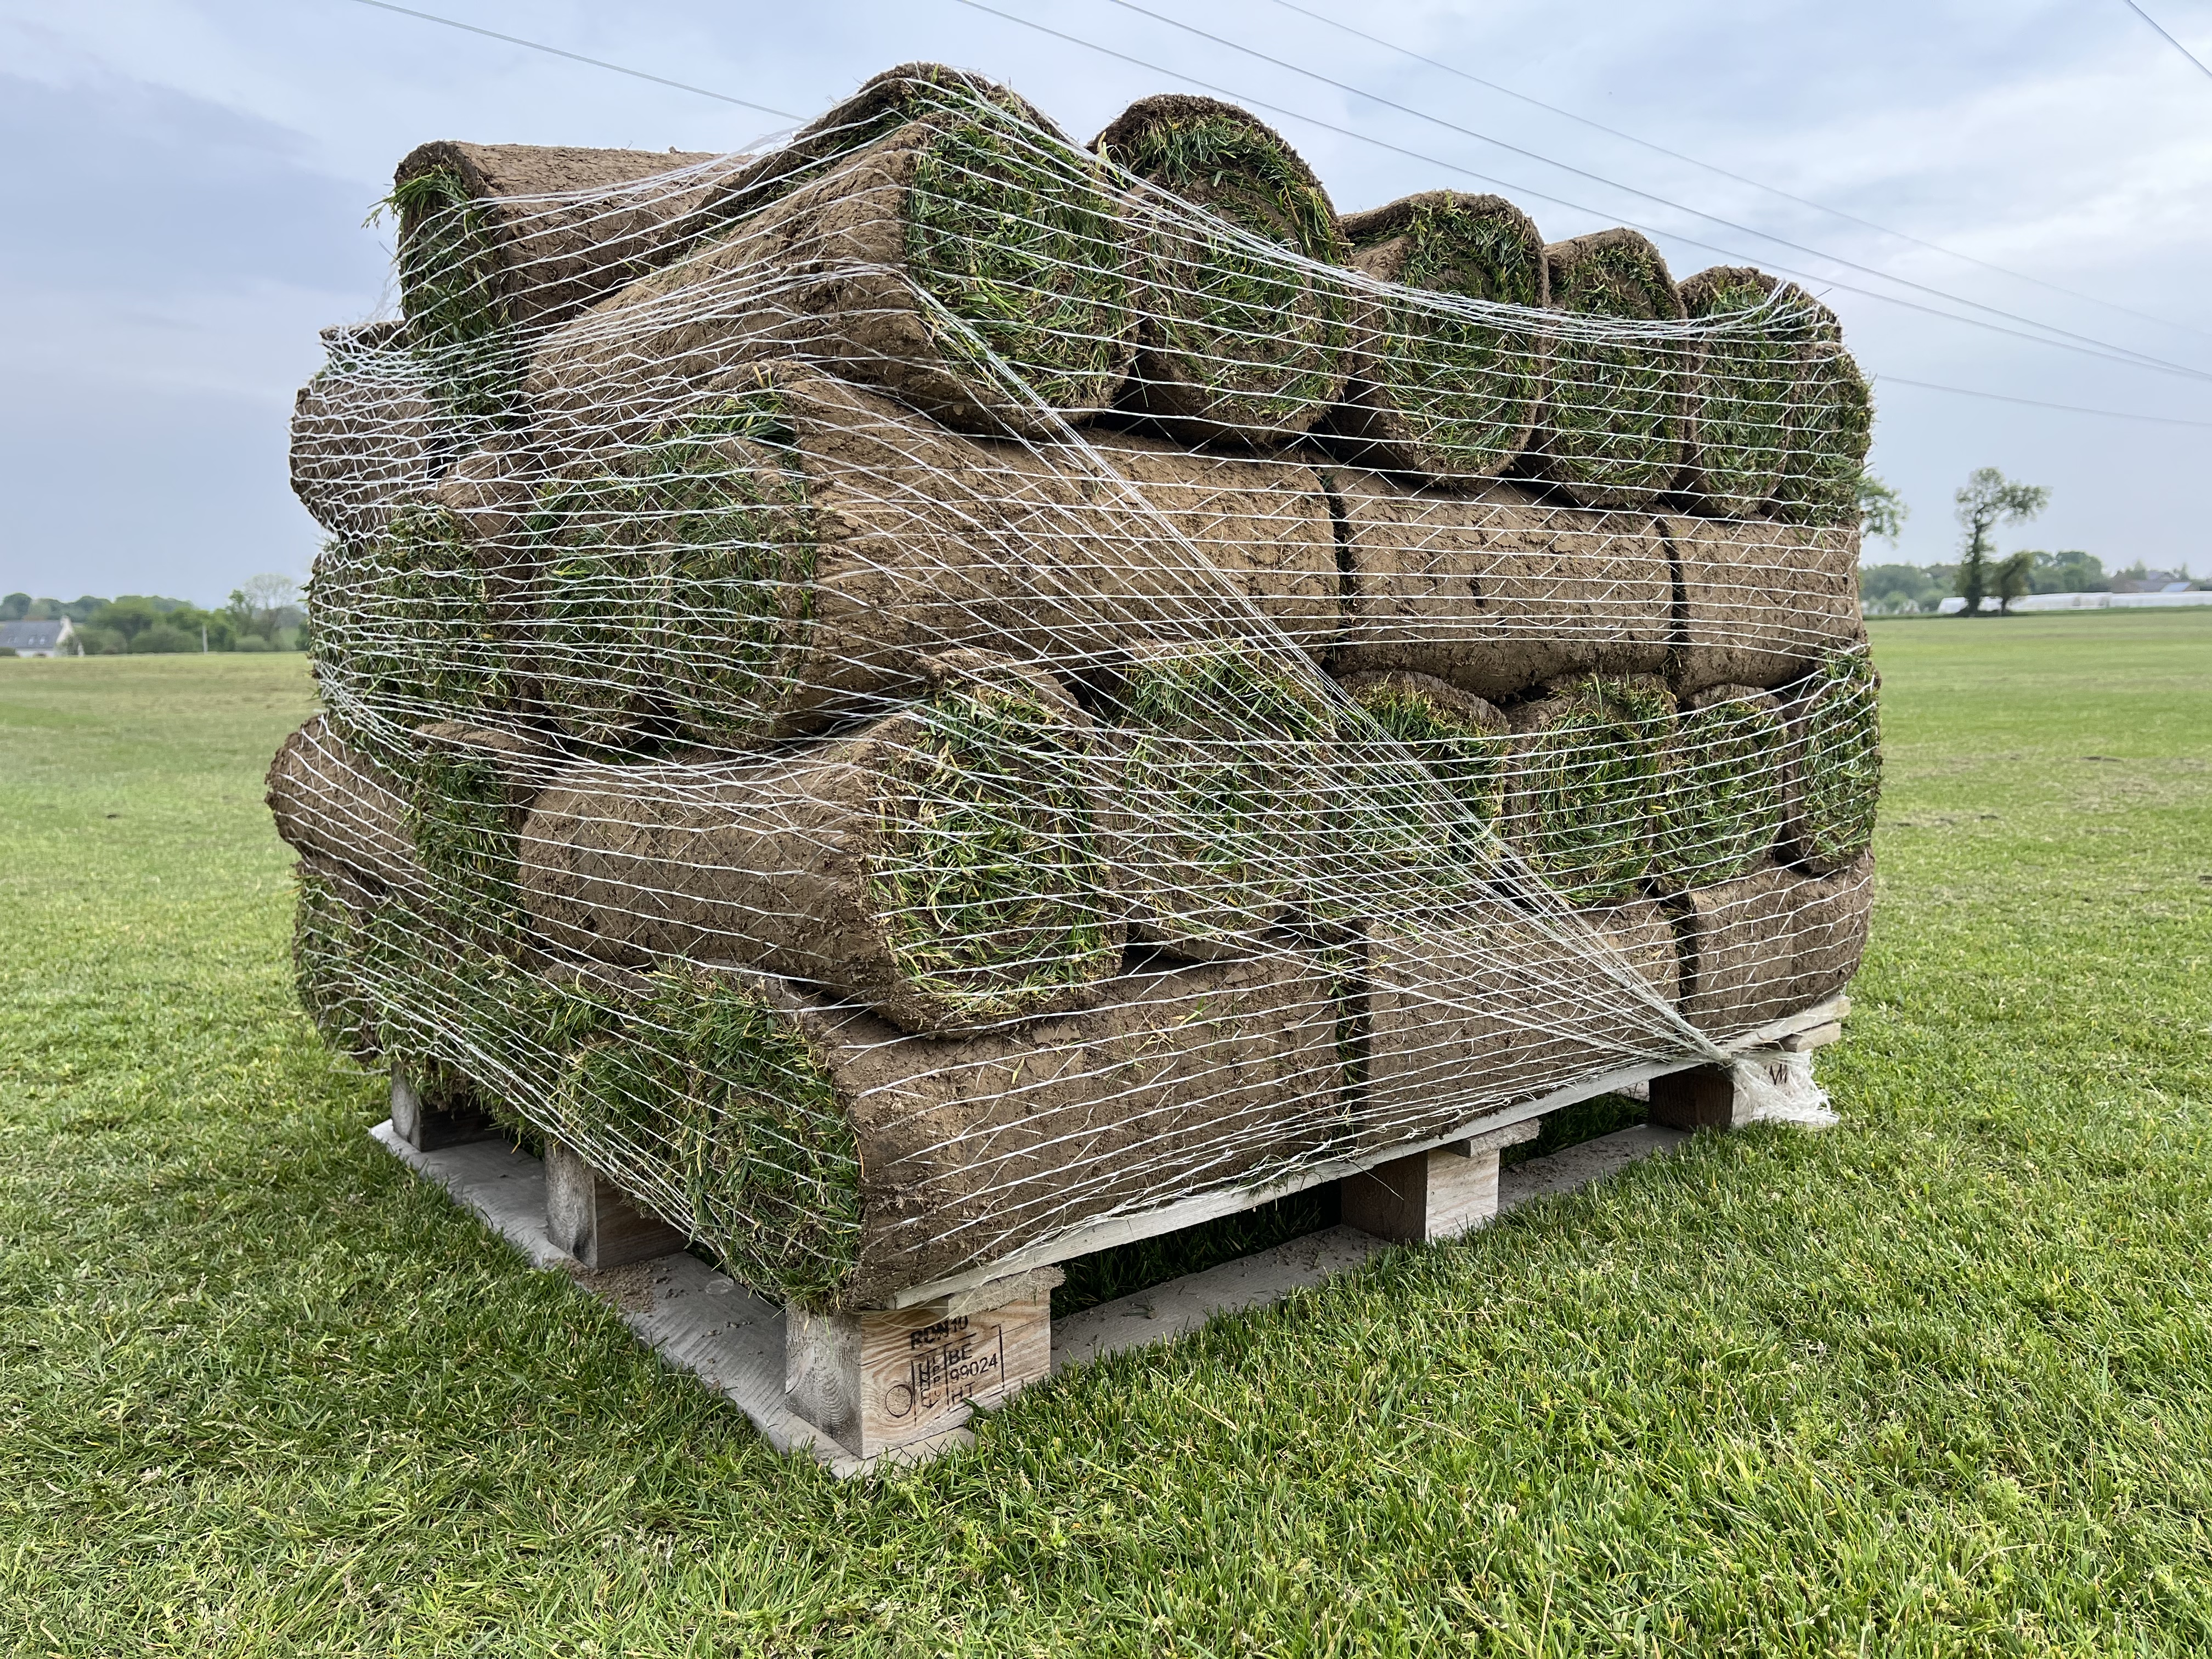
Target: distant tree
x,y
257,604
1987,500
163,636
2067,571
15,607
1898,589
1882,511
2014,579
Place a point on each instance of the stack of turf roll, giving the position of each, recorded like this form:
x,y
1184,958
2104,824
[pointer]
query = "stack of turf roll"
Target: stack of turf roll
x,y
930,685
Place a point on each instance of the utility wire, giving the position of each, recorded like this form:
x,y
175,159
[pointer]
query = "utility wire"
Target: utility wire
x,y
2102,346
2036,403
2134,360
579,57
2170,40
1738,177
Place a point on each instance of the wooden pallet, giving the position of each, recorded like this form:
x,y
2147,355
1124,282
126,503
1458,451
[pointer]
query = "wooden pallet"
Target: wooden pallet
x,y
892,1384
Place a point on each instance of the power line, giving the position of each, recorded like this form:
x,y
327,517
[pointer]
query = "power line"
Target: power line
x,y
579,57
2103,347
2136,360
2036,403
2170,40
1738,177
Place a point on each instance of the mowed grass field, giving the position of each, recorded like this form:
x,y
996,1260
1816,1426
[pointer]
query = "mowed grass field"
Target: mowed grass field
x,y
1939,1381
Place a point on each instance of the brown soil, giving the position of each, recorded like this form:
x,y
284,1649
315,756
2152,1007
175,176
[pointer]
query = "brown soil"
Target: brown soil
x,y
1501,1008
1776,942
364,433
774,864
338,806
1179,1080
1494,593
1760,601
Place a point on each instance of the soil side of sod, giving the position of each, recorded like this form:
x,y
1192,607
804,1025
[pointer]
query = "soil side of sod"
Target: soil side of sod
x,y
1939,1381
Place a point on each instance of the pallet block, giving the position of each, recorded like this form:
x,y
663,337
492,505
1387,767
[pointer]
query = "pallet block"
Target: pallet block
x,y
1745,1090
1439,1193
593,1220
880,1379
426,1129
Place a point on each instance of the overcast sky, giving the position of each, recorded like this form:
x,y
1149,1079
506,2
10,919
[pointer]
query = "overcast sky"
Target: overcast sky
x,y
188,182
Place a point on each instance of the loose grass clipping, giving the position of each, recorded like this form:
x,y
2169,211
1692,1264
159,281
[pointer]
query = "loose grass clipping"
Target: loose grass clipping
x,y
1612,429
1433,391
1242,335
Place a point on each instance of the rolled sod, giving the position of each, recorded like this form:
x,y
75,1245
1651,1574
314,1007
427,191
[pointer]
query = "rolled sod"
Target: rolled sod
x,y
1237,342
1834,779
828,1158
499,242
1458,741
970,266
1613,425
1432,392
1772,944
1761,601
1831,429
1223,767
431,814
1487,1006
1721,801
883,104
330,910
1586,779
406,624
1494,593
1743,394
947,867
364,431
780,559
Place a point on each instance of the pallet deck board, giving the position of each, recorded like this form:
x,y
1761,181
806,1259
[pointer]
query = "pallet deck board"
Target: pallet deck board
x,y
702,1321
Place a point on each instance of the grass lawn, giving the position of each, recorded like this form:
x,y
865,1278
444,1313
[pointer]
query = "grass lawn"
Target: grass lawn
x,y
1937,1381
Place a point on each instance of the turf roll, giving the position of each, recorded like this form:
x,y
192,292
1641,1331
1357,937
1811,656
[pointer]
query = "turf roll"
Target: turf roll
x,y
1222,756
330,910
881,107
430,814
1434,391
500,242
1484,1005
1772,944
1760,601
1834,761
1743,393
364,431
1831,429
1721,799
1458,740
1586,779
966,263
947,867
1492,591
1242,329
779,559
1612,428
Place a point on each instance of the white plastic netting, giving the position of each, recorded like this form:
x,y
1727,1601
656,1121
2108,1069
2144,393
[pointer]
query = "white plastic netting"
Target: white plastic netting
x,y
931,686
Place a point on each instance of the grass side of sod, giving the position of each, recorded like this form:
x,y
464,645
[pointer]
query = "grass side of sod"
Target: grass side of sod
x,y
1939,1381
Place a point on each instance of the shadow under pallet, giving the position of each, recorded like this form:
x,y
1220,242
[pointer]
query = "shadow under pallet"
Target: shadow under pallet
x,y
896,1385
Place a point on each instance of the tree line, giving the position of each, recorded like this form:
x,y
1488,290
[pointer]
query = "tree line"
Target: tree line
x,y
263,614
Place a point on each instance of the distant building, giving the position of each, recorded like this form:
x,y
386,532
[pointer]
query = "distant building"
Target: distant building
x,y
39,639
